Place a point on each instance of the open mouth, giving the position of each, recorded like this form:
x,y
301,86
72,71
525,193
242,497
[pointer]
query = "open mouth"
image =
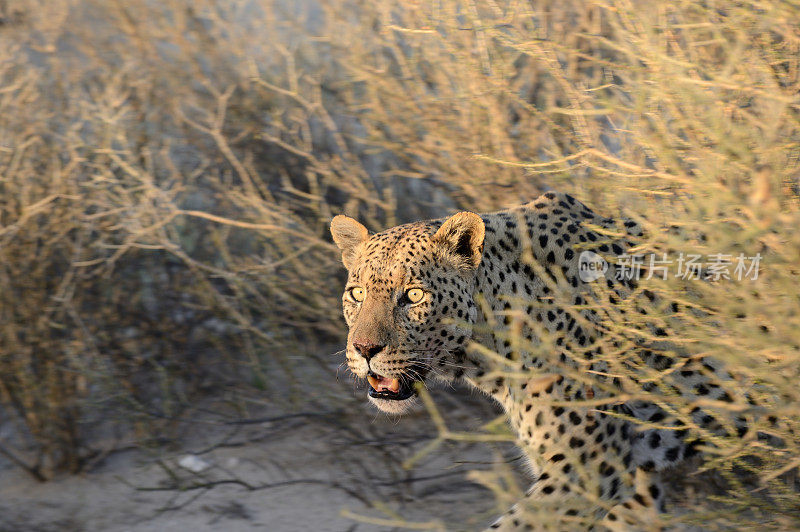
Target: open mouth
x,y
389,388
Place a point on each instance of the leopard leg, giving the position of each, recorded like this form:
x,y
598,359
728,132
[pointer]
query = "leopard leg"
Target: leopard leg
x,y
547,507
542,511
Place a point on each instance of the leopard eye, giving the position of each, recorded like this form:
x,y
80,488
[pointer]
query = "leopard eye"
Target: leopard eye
x,y
415,295
356,294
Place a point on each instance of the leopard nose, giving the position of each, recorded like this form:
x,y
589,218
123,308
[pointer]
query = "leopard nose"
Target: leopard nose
x,y
367,349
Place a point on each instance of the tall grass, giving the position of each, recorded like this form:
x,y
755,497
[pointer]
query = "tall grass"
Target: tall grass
x,y
168,170
152,243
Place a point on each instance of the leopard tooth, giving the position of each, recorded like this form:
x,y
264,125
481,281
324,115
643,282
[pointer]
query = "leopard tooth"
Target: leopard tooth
x,y
394,385
373,382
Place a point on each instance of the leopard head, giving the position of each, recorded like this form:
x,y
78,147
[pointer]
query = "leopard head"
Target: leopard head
x,y
409,302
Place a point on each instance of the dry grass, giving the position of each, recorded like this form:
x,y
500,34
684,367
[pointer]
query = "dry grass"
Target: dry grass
x,y
148,236
168,170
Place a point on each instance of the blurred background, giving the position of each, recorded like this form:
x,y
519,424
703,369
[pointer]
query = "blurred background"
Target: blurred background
x,y
170,321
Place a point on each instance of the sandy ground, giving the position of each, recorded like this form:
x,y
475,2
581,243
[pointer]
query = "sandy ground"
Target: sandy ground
x,y
331,463
293,472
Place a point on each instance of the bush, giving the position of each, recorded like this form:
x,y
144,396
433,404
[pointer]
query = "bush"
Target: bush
x,y
151,245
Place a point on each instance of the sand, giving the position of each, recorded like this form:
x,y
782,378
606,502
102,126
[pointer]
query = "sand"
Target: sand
x,y
294,472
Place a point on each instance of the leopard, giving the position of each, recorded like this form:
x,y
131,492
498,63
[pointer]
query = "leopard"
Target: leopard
x,y
507,303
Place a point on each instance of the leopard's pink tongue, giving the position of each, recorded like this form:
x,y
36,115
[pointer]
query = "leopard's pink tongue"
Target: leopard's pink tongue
x,y
380,384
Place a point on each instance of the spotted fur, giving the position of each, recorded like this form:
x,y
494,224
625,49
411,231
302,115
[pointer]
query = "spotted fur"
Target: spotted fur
x,y
493,280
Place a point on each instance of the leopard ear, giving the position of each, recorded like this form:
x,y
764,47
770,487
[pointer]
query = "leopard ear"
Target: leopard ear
x,y
348,235
462,235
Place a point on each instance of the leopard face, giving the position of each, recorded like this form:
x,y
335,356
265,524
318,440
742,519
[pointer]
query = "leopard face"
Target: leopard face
x,y
408,303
